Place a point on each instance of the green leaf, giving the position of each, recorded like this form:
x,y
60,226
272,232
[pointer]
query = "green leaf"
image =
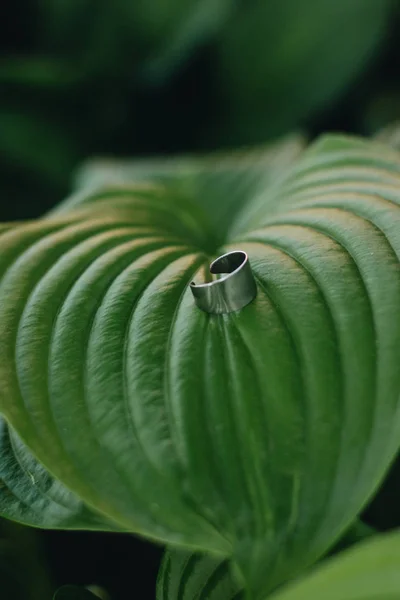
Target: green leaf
x,y
357,532
70,592
185,576
36,144
38,72
106,37
175,29
221,183
257,435
280,61
30,495
369,571
390,135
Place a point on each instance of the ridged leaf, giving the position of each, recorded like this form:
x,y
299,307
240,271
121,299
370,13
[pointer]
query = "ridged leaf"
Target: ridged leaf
x,y
186,576
30,495
368,571
257,435
222,184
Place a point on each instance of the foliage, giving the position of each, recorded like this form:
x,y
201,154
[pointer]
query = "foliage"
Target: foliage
x,y
369,571
97,76
204,431
250,444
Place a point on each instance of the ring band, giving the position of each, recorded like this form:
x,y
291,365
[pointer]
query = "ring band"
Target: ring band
x,y
234,288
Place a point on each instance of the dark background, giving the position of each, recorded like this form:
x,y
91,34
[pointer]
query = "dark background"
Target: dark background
x,y
54,117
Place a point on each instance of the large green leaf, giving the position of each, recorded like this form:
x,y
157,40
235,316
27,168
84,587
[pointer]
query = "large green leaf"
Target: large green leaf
x,y
221,183
257,435
281,61
368,571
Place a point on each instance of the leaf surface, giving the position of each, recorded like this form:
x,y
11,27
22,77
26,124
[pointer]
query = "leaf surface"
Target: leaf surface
x,y
257,435
223,184
195,576
31,495
368,571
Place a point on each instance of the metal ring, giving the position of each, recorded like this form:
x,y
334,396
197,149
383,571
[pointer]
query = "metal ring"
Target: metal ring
x,y
233,289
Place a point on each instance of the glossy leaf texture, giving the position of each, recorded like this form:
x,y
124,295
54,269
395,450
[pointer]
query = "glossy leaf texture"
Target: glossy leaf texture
x,y
257,435
31,495
368,571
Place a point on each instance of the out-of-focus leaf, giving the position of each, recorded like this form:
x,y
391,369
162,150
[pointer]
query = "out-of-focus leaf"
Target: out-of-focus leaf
x,y
211,431
390,135
382,113
118,37
280,61
221,183
36,71
99,592
158,20
37,144
175,28
71,592
369,571
357,532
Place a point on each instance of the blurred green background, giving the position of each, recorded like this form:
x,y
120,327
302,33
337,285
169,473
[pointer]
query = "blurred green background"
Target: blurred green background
x,y
141,77
126,78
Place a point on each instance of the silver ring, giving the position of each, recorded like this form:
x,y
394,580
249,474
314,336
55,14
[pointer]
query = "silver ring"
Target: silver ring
x,y
234,288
